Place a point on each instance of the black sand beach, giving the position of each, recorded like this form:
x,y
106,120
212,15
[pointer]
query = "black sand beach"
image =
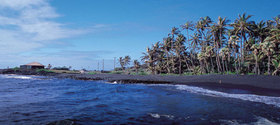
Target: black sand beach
x,y
231,81
251,82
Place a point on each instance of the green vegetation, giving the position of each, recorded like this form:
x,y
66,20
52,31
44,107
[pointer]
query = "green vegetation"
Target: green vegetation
x,y
16,68
139,73
92,73
124,61
116,72
143,73
66,71
207,47
44,70
61,68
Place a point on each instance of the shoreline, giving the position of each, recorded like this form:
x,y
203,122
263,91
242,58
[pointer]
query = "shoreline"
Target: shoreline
x,y
248,82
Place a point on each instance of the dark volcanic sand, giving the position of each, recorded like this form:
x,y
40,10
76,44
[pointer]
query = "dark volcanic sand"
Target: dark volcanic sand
x,y
255,82
251,82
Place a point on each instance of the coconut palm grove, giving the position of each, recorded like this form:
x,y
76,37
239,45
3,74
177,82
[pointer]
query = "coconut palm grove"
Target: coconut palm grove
x,y
211,46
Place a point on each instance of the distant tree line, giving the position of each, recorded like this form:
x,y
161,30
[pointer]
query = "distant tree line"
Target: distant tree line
x,y
243,46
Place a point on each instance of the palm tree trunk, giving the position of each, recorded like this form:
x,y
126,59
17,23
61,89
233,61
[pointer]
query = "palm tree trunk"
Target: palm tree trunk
x,y
207,66
256,65
202,66
229,59
241,47
223,66
217,57
226,66
239,62
180,66
173,64
168,65
236,70
189,46
268,65
212,65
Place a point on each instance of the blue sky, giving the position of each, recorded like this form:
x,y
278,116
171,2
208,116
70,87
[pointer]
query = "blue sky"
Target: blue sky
x,y
79,33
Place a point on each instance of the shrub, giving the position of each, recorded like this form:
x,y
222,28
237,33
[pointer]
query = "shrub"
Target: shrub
x,y
188,73
61,68
116,72
92,73
16,68
143,73
118,69
44,70
231,73
251,74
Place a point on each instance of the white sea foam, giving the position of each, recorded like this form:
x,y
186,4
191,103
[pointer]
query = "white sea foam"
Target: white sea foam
x,y
16,77
155,115
261,121
247,97
264,121
115,82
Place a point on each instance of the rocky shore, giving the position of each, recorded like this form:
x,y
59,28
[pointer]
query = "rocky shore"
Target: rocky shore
x,y
252,82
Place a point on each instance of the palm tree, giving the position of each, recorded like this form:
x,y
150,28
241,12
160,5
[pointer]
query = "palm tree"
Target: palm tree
x,y
180,49
156,49
215,37
201,26
136,65
276,20
166,48
189,26
210,54
121,61
260,30
268,50
274,36
127,60
276,64
195,41
202,59
195,46
221,27
241,28
240,46
256,48
233,41
148,58
124,61
224,52
174,31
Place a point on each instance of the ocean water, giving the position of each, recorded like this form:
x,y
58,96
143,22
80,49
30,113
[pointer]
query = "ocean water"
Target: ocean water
x,y
47,100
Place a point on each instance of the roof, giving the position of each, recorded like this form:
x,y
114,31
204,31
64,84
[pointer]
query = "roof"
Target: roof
x,y
34,64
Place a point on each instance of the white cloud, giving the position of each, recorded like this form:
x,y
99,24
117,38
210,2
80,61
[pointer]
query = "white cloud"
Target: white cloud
x,y
26,26
20,4
12,42
34,18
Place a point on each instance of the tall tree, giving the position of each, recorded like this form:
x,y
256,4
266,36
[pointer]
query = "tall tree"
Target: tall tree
x,y
189,26
268,49
242,28
136,65
180,49
121,61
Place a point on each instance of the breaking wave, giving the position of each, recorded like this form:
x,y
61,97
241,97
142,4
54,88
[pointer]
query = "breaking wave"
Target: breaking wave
x,y
260,121
16,77
247,97
155,115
